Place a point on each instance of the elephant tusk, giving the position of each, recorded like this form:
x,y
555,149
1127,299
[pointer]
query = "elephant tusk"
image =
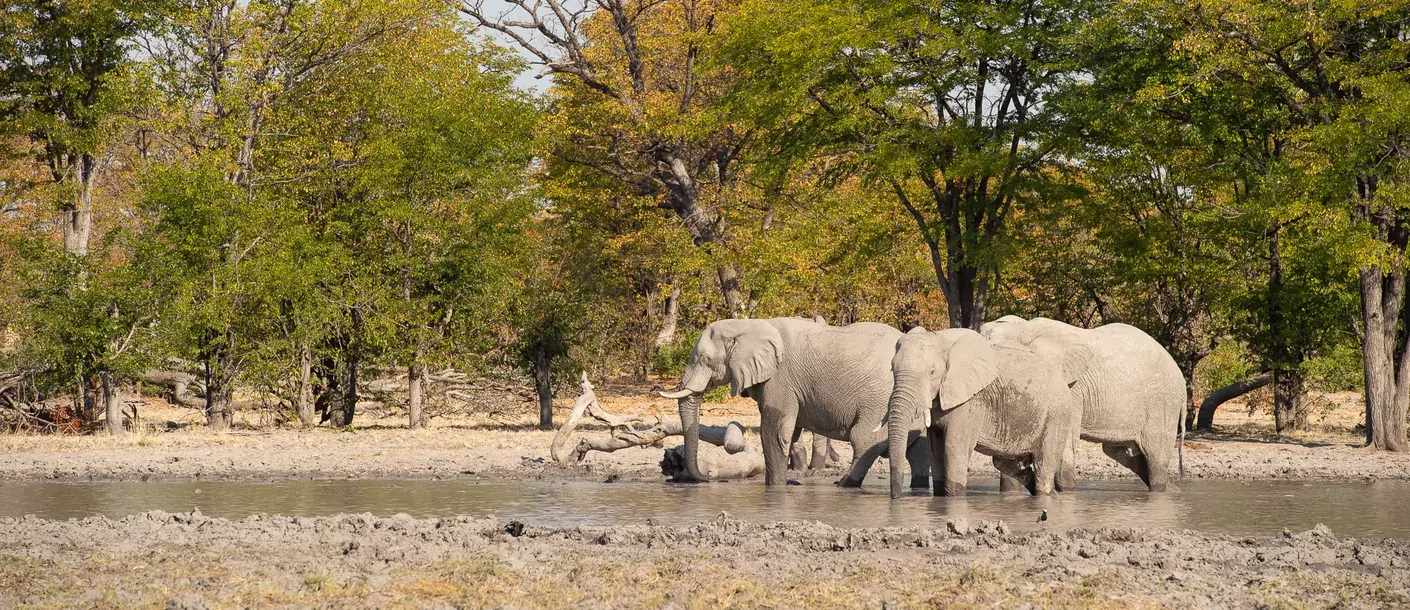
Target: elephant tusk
x,y
882,426
677,395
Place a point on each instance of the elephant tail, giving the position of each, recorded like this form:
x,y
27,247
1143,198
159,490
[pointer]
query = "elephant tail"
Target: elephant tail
x,y
1184,415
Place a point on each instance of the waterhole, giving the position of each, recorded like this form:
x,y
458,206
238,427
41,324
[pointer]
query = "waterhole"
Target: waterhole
x,y
1362,509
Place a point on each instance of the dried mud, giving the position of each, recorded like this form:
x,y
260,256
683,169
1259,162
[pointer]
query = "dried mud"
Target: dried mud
x,y
193,561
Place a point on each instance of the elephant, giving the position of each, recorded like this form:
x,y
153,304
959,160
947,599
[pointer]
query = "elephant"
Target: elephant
x,y
804,374
1006,400
1131,392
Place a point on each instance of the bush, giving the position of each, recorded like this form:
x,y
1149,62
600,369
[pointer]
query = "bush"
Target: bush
x,y
1228,364
670,360
716,395
1338,370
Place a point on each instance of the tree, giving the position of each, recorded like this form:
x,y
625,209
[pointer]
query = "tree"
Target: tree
x,y
419,214
60,63
636,103
941,105
62,87
1340,71
240,63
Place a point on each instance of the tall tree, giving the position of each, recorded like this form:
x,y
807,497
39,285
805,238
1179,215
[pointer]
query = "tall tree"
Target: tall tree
x,y
59,64
241,62
62,87
636,103
1341,71
941,104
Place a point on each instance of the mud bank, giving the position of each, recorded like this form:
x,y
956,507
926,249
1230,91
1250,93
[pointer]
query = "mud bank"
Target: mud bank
x,y
193,561
520,452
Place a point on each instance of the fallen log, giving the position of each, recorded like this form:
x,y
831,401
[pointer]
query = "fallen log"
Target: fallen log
x,y
1205,418
714,463
740,460
729,436
179,383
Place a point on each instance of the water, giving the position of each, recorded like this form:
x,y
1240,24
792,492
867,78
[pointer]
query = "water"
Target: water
x,y
1375,509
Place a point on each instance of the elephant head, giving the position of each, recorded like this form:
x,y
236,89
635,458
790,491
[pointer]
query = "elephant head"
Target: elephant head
x,y
742,353
949,366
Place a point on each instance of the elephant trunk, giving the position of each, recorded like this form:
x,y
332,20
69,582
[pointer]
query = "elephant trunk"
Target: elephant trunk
x,y
907,399
693,383
690,426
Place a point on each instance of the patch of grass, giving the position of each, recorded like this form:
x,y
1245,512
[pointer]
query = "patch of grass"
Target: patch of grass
x,y
977,575
20,574
320,581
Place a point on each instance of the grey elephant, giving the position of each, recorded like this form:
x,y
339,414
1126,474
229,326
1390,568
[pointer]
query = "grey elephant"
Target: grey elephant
x,y
1131,392
1005,400
832,380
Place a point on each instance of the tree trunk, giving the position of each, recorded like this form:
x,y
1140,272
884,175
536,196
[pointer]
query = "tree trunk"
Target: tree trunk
x,y
76,219
729,287
219,386
966,298
1191,411
1222,395
1289,410
112,402
305,400
667,335
416,393
543,384
1380,309
83,397
343,414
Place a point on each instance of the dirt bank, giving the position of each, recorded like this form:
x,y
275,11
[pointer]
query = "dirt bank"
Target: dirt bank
x,y
192,561
170,446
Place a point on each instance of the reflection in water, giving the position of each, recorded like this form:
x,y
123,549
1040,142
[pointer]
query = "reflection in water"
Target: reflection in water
x,y
1238,507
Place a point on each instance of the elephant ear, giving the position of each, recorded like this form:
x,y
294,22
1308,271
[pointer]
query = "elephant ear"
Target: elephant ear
x,y
754,354
970,366
1077,359
1066,345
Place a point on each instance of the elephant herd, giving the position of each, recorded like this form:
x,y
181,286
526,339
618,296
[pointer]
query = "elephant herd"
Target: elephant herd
x,y
1020,391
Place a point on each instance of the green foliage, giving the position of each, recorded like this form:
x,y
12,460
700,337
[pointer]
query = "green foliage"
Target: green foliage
x,y
1336,370
360,184
716,396
1229,363
671,360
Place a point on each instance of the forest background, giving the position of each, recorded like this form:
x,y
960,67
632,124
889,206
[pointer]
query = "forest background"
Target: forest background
x,y
278,204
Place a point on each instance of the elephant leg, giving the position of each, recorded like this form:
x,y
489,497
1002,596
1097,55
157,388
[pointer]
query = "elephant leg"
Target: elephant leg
x,y
957,448
1014,475
1067,477
797,453
867,445
918,456
1122,453
775,429
821,447
1048,461
937,459
1045,473
1157,457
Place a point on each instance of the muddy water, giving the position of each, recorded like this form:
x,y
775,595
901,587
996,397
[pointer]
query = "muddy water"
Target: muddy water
x,y
1376,509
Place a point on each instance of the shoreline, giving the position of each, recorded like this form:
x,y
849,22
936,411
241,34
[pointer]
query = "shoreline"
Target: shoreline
x,y
514,452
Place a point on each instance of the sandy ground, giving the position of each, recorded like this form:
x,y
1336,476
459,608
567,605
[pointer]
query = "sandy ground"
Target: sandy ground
x,y
1243,447
192,561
